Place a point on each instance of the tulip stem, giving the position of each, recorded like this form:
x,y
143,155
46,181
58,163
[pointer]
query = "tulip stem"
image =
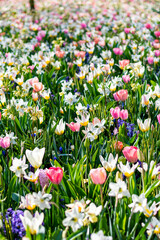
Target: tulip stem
x,y
101,192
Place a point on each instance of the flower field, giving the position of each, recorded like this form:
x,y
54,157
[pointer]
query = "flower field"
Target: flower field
x,y
80,120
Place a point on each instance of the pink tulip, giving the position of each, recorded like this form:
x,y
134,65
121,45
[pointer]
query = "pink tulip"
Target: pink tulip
x,y
157,34
31,67
122,95
55,174
158,117
42,33
39,38
83,25
123,114
127,30
157,53
5,142
37,86
150,60
124,63
117,51
82,54
116,97
65,31
98,175
130,154
60,54
74,126
148,26
35,96
126,78
33,80
115,112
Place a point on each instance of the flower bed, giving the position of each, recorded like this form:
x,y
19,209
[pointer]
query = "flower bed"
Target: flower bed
x,y
79,120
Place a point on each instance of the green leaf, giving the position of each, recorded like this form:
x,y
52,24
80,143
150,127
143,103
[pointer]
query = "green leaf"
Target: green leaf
x,y
76,234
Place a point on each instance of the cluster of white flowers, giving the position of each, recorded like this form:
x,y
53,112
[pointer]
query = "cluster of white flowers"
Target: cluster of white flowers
x,y
81,213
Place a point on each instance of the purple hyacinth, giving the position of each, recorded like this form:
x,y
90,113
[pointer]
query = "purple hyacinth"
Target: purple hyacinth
x,y
129,126
15,223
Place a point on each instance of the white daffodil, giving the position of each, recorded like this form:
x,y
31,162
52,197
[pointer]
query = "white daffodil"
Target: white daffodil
x,y
118,189
152,210
32,177
60,127
42,200
153,226
35,157
74,219
33,223
91,213
139,203
12,137
126,169
100,236
19,166
70,98
144,127
153,169
109,165
84,119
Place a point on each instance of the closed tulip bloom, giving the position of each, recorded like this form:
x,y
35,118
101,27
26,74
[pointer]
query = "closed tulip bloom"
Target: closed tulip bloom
x,y
117,51
33,80
157,53
157,34
118,146
158,117
37,86
35,157
126,78
5,142
130,154
35,96
123,63
98,175
55,174
122,95
150,60
123,114
144,127
115,112
116,97
74,126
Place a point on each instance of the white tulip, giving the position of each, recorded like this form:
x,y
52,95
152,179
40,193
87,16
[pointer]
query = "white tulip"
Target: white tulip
x,y
33,223
35,157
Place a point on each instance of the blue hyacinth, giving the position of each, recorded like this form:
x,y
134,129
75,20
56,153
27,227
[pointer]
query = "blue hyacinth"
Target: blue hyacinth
x,y
13,219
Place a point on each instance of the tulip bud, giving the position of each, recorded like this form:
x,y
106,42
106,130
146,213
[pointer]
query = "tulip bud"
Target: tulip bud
x,y
55,174
98,175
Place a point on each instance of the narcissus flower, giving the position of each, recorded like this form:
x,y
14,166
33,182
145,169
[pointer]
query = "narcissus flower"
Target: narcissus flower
x,y
118,189
126,169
